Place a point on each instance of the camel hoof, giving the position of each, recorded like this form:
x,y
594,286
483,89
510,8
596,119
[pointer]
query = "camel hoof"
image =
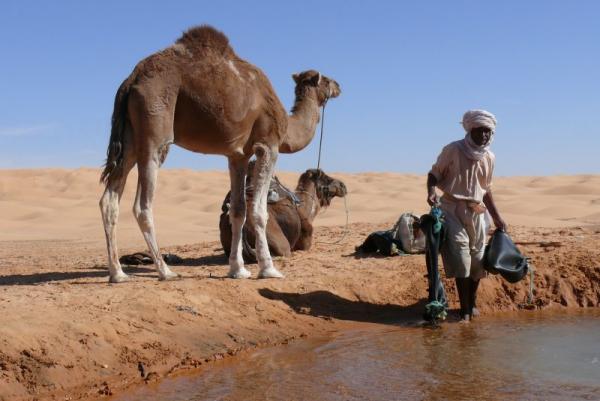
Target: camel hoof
x,y
171,276
119,278
239,273
270,273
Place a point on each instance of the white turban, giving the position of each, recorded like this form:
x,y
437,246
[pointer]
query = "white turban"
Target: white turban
x,y
478,118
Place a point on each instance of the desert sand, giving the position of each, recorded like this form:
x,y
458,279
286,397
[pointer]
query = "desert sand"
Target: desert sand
x,y
67,334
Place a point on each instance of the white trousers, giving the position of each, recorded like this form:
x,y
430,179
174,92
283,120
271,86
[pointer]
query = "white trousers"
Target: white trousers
x,y
464,245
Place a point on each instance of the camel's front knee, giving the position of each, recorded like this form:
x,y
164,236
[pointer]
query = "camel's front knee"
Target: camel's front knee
x,y
259,220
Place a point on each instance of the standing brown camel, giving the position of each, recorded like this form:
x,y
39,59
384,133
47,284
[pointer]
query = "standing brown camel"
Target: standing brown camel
x,y
289,227
201,96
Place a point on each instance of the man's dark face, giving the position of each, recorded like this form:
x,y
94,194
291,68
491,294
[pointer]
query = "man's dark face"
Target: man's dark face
x,y
481,135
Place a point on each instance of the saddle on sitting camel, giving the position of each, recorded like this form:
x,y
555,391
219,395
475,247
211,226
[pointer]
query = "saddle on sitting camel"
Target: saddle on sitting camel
x,y
277,192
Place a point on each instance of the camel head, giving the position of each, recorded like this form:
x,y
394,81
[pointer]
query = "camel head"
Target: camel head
x,y
326,188
312,81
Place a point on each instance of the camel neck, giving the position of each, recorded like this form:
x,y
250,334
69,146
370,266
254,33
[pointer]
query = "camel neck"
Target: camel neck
x,y
309,202
301,124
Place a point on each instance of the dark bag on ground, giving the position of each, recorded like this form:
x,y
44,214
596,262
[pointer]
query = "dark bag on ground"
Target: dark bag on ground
x,y
503,257
406,237
382,242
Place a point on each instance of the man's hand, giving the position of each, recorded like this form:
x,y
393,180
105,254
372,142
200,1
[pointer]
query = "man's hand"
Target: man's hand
x,y
488,201
432,198
500,224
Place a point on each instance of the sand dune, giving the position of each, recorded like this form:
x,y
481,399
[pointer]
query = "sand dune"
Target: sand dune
x,y
63,204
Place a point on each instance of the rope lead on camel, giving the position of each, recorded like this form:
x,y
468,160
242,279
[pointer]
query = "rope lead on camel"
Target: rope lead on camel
x,y
319,166
321,136
346,229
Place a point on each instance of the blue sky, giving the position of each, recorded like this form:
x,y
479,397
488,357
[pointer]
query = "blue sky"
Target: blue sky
x,y
408,71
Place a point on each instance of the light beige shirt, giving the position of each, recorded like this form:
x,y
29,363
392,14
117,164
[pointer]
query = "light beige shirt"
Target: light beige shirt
x,y
461,177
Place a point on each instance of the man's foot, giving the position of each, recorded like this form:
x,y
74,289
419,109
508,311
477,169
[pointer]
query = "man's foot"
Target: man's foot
x,y
465,318
474,284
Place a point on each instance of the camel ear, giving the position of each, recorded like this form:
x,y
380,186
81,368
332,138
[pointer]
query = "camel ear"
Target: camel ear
x,y
296,78
316,80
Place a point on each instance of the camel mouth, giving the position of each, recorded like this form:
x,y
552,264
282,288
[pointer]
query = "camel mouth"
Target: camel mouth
x,y
338,189
334,89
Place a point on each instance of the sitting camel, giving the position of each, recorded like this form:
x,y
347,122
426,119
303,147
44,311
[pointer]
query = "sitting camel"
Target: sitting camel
x,y
289,227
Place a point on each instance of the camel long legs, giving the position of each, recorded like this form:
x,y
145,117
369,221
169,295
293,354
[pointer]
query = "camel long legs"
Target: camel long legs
x,y
237,216
109,206
261,177
142,210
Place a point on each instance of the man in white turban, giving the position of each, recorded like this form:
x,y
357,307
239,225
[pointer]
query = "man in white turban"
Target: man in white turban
x,y
463,172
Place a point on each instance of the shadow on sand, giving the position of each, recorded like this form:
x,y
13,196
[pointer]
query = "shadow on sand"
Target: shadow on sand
x,y
368,255
328,305
46,277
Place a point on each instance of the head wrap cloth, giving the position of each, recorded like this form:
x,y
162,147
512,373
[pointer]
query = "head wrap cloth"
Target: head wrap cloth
x,y
478,118
474,119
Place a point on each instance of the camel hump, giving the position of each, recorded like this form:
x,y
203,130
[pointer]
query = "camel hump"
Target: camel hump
x,y
204,37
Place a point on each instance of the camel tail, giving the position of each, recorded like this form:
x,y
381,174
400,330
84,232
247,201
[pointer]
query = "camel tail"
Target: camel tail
x,y
113,168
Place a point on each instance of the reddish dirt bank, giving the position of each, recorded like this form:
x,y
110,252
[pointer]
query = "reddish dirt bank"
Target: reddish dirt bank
x,y
67,334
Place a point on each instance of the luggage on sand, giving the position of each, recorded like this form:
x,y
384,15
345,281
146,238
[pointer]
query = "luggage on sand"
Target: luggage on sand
x,y
406,237
382,242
